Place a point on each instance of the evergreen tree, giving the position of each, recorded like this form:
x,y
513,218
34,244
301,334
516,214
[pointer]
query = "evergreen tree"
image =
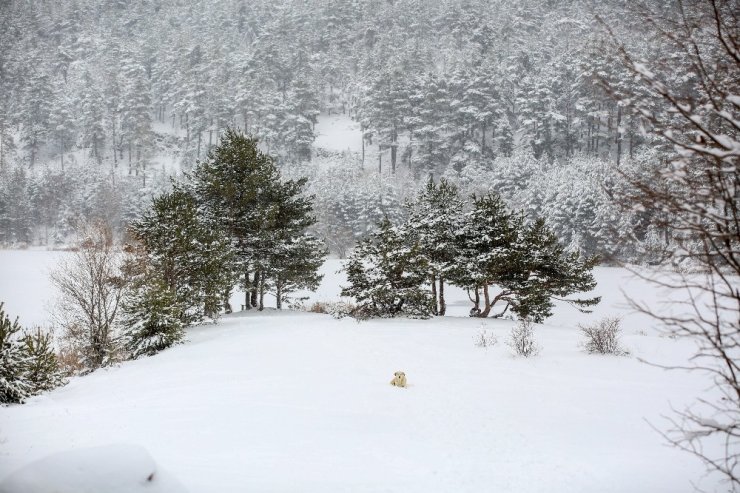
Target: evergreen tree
x,y
432,221
294,266
485,249
187,254
505,138
16,210
294,257
527,263
234,184
28,365
151,312
548,273
136,120
387,276
43,372
265,217
91,117
14,362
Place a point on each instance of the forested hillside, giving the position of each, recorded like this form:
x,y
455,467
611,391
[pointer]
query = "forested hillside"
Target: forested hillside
x,y
103,100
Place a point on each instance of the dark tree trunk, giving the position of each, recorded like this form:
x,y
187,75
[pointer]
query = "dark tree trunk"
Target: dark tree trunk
x,y
394,149
442,302
619,135
598,131
483,138
476,302
255,290
247,293
227,303
262,292
486,301
435,311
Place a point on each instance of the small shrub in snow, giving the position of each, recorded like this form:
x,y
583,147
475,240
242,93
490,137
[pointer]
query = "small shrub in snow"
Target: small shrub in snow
x,y
341,309
70,361
485,340
319,307
603,337
337,309
521,340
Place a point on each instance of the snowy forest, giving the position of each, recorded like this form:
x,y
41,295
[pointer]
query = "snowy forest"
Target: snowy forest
x,y
103,101
224,224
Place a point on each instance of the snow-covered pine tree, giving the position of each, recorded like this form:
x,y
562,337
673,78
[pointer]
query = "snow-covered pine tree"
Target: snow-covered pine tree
x,y
14,386
485,254
266,217
43,372
189,254
526,263
91,117
151,312
233,185
387,275
294,266
433,218
547,273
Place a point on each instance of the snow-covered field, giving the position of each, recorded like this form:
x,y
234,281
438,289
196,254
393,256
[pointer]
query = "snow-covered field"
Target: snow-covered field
x,y
337,133
293,401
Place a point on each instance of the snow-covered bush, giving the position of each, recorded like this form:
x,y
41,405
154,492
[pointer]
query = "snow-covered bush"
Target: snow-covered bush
x,y
522,341
602,337
337,309
485,340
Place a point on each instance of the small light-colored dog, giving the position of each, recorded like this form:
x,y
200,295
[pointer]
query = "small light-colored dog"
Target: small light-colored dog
x,y
399,379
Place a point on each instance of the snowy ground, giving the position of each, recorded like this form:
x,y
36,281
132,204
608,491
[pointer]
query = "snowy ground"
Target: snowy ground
x,y
337,133
291,401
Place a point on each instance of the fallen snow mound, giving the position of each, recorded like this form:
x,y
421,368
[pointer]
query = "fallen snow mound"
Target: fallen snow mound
x,y
111,469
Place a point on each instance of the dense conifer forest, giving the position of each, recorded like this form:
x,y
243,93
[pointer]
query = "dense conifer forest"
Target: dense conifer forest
x,y
104,100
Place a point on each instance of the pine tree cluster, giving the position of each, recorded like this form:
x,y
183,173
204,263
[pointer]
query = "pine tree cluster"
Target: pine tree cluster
x,y
235,221
28,365
402,270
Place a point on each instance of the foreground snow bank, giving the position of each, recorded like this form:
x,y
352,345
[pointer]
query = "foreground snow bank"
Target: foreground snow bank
x,y
286,402
110,469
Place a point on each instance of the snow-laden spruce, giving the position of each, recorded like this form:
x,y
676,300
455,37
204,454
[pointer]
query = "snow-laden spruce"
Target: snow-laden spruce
x,y
402,270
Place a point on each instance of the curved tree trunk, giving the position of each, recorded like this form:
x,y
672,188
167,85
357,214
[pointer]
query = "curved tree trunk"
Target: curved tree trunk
x,y
486,301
